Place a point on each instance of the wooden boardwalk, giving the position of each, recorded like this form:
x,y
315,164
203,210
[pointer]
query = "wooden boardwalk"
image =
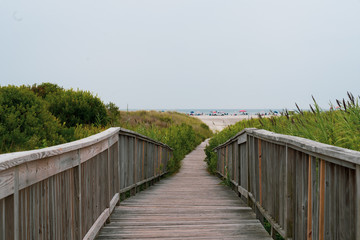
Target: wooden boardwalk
x,y
190,205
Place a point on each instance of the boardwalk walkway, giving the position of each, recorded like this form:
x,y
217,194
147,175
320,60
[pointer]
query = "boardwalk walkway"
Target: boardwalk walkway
x,y
190,205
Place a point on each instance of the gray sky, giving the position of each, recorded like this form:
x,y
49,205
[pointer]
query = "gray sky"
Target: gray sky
x,y
166,54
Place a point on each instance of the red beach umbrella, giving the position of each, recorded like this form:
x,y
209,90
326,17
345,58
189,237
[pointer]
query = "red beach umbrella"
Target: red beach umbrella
x,y
242,111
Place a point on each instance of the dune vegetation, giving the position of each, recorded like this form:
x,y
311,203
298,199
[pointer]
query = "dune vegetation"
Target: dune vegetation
x,y
39,116
338,126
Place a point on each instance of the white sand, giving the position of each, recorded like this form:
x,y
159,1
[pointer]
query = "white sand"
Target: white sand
x,y
218,123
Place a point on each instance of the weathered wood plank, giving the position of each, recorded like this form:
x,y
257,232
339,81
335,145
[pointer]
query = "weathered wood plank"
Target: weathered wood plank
x,y
322,201
7,179
91,234
309,202
357,202
190,205
13,159
349,158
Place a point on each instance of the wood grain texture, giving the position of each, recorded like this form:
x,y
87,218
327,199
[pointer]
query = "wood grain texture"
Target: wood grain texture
x,y
309,213
349,158
190,205
357,191
13,159
322,201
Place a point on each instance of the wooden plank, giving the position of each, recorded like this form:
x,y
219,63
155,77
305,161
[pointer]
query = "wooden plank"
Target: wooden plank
x,y
16,204
322,201
189,205
3,217
79,202
119,165
336,153
309,212
7,179
357,202
114,202
93,150
289,189
315,176
10,160
243,191
39,170
242,139
260,172
135,178
91,234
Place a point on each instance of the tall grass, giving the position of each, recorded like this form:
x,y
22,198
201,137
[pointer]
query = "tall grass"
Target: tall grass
x,y
181,132
339,126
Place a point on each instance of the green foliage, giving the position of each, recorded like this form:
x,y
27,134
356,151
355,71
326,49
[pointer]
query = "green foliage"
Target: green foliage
x,y
46,114
113,113
179,131
45,89
25,122
77,107
340,126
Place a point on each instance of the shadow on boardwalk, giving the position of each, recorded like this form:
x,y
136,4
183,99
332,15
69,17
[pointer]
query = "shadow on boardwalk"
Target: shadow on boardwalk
x,y
190,205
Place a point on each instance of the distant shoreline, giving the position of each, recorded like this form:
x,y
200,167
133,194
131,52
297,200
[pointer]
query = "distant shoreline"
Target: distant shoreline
x,y
218,123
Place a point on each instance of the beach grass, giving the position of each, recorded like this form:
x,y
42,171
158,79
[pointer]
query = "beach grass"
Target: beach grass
x,y
338,126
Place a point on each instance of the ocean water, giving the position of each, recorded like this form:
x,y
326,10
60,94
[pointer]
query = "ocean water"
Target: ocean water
x,y
228,111
218,110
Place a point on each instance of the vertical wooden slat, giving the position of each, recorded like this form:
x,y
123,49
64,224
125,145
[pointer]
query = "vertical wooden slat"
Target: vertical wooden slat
x,y
109,180
309,212
79,195
322,200
3,227
315,197
289,192
119,167
357,202
16,204
260,187
135,160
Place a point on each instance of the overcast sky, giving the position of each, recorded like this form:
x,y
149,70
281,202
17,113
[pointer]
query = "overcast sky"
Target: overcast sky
x,y
168,54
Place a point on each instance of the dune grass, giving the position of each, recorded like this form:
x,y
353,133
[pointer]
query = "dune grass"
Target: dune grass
x,y
338,126
181,132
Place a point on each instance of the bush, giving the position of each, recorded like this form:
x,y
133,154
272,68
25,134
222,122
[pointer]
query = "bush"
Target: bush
x,y
73,108
25,122
45,89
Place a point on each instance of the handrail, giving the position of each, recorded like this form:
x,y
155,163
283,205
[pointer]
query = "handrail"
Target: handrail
x,y
68,191
305,189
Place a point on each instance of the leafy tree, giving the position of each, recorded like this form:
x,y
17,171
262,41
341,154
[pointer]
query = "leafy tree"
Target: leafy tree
x,y
25,122
45,89
77,107
113,113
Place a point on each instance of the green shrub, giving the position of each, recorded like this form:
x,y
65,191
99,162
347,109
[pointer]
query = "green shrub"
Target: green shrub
x,y
25,122
77,107
45,89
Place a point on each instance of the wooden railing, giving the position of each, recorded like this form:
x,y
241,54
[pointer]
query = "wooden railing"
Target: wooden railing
x,y
68,191
304,189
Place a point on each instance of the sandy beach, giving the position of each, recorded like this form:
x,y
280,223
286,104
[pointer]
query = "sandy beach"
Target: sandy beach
x,y
218,123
